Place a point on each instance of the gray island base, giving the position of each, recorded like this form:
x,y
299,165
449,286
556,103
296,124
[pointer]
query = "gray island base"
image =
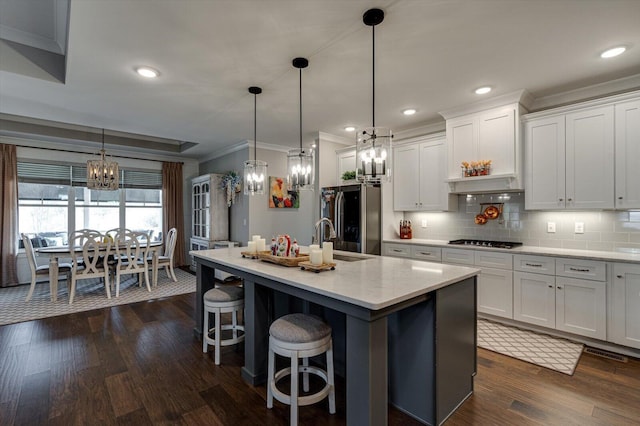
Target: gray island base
x,y
409,327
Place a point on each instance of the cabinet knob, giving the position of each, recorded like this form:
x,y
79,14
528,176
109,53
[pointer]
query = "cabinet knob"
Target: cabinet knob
x,y
550,286
620,276
568,199
619,198
559,288
560,199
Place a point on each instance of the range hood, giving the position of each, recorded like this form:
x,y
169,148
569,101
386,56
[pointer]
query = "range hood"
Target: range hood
x,y
483,131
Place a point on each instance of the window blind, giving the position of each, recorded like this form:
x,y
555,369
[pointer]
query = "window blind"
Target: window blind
x,y
75,175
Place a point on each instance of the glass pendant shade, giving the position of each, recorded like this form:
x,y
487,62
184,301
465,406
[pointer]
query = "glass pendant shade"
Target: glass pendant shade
x,y
102,173
373,155
300,169
255,172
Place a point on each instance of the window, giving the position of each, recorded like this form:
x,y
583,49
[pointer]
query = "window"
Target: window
x,y
53,201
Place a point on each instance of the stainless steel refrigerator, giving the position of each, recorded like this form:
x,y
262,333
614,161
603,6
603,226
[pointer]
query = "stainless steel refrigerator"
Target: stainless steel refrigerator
x,y
355,211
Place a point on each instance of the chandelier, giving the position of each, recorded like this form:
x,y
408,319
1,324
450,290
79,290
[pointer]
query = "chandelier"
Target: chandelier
x,y
373,144
103,174
300,170
254,170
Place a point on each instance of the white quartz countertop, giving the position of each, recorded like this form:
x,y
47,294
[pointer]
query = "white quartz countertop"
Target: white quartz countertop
x,y
374,283
609,256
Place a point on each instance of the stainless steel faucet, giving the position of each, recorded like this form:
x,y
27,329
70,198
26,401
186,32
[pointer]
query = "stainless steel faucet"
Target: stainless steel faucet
x,y
332,230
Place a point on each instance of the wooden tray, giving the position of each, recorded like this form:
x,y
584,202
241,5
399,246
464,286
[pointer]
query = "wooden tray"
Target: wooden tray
x,y
317,268
281,260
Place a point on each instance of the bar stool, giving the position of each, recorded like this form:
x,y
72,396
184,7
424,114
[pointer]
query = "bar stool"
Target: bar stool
x,y
300,336
217,301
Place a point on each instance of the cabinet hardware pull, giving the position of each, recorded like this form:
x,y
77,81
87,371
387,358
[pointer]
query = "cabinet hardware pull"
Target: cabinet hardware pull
x,y
426,253
550,286
619,198
561,199
568,199
533,264
559,288
620,276
578,269
397,250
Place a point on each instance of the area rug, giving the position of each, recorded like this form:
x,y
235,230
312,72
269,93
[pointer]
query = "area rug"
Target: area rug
x,y
546,351
90,294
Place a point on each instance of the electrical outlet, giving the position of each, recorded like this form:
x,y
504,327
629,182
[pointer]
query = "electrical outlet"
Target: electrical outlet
x,y
579,228
424,223
551,227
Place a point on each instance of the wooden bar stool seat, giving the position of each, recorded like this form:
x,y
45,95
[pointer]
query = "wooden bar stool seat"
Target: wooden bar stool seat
x,y
300,336
217,301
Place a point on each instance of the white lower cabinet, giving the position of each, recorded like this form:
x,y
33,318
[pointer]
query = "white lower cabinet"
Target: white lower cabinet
x,y
574,305
624,305
495,292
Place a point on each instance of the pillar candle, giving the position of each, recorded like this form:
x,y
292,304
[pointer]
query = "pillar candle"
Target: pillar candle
x,y
313,247
255,238
251,246
315,257
261,244
327,252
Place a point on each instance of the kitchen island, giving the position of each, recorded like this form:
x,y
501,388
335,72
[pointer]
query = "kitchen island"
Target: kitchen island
x,y
410,327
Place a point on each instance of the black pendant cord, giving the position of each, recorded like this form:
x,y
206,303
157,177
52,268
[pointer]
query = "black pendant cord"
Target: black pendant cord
x,y
255,125
301,151
373,79
103,139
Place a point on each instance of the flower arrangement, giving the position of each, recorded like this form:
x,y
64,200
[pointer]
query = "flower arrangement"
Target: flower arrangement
x,y
231,183
476,168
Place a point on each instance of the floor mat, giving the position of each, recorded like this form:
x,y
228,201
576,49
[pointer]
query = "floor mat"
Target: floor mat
x,y
546,351
90,294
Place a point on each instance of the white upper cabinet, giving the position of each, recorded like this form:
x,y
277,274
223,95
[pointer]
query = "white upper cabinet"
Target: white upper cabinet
x,y
346,162
419,176
627,155
589,159
488,130
584,156
545,163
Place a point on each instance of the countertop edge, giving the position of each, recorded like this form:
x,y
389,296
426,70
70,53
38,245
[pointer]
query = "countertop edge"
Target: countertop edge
x,y
607,256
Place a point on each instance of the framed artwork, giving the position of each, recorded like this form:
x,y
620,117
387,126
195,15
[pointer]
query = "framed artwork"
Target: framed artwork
x,y
281,196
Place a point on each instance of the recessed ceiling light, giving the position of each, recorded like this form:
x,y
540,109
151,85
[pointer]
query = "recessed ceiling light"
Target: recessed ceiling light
x,y
350,128
610,53
409,111
147,72
483,90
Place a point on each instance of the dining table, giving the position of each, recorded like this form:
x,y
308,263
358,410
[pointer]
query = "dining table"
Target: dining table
x,y
56,252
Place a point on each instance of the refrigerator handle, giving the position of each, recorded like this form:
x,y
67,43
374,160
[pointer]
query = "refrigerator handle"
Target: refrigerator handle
x,y
338,215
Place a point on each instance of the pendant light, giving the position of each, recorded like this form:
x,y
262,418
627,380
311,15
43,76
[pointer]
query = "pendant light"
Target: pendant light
x,y
102,173
373,144
254,170
300,168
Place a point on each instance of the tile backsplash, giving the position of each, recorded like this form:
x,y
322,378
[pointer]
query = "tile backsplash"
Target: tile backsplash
x,y
603,230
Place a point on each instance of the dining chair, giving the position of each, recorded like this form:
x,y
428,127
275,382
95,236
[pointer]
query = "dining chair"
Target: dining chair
x,y
39,270
91,262
131,258
166,259
86,234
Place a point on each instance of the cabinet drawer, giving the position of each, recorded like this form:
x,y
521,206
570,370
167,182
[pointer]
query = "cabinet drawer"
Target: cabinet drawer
x,y
463,257
397,250
490,259
536,264
585,269
433,254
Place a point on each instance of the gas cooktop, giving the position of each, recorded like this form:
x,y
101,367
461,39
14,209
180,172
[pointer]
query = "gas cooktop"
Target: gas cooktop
x,y
485,243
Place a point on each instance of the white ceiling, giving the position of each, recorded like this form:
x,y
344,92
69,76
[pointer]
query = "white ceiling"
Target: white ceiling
x,y
430,54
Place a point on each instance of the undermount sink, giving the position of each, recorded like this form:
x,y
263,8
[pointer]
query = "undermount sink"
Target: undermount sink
x,y
347,258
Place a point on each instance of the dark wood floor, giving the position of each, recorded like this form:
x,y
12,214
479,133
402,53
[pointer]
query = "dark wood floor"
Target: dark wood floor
x,y
140,364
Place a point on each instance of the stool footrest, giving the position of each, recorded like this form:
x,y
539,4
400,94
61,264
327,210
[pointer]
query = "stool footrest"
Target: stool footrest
x,y
306,399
